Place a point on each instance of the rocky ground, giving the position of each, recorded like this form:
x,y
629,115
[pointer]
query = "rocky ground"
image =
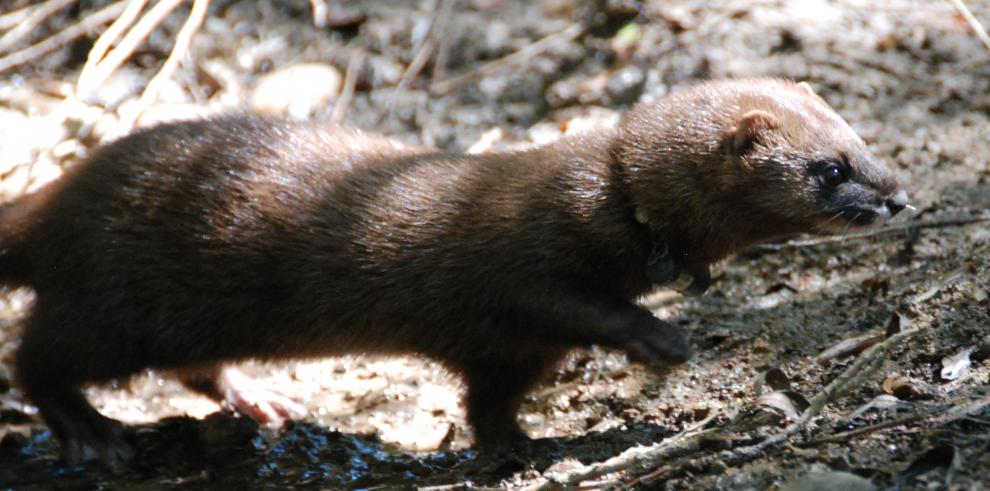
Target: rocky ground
x,y
856,360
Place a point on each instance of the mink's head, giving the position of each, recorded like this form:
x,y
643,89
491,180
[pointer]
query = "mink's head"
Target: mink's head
x,y
727,164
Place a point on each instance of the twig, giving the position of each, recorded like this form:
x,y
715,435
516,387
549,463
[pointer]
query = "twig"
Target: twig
x,y
929,223
12,18
87,80
450,487
863,368
846,436
320,12
570,33
960,412
423,51
944,281
354,66
973,23
440,60
416,65
149,21
59,39
182,40
634,458
952,414
27,26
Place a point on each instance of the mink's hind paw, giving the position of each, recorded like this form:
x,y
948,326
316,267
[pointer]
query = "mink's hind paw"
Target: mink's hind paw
x,y
658,342
95,439
265,405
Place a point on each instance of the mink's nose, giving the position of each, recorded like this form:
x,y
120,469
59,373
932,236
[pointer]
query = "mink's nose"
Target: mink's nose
x,y
897,202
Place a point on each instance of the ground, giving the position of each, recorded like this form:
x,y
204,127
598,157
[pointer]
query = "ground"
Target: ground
x,y
904,311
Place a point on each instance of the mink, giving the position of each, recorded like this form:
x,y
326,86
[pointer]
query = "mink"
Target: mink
x,y
195,244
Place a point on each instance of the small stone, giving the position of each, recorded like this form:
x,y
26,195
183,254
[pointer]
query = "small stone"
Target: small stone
x,y
299,90
829,481
625,85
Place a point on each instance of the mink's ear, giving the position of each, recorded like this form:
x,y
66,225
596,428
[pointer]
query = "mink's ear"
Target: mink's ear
x,y
750,128
807,88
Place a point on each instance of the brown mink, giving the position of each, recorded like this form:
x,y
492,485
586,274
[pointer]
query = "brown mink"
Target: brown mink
x,y
192,244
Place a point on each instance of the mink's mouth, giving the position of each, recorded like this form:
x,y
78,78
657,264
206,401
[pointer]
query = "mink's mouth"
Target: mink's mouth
x,y
862,216
851,217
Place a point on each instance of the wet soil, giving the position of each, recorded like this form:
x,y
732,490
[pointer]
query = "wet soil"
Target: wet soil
x,y
910,76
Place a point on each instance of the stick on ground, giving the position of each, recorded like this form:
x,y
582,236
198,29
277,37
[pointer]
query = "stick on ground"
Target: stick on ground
x,y
182,40
134,37
568,34
27,26
58,40
973,23
354,66
87,80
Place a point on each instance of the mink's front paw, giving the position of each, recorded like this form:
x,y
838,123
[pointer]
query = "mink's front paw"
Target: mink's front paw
x,y
658,341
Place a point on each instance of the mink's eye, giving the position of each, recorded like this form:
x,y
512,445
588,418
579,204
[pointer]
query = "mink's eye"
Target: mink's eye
x,y
833,174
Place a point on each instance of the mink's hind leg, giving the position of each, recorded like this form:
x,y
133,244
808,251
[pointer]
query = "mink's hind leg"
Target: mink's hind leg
x,y
226,384
52,364
496,387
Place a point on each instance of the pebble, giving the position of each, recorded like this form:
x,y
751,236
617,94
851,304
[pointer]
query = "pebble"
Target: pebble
x,y
829,481
298,90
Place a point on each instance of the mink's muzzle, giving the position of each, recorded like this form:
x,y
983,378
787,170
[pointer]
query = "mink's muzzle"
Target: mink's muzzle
x,y
897,202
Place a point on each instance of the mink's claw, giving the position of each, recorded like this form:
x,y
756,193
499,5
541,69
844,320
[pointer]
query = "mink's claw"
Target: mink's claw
x,y
659,342
701,280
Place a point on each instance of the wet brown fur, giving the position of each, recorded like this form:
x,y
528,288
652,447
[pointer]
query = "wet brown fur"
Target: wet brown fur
x,y
200,243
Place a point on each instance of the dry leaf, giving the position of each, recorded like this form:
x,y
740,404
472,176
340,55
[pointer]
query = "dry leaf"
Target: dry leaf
x,y
788,402
772,379
955,366
898,386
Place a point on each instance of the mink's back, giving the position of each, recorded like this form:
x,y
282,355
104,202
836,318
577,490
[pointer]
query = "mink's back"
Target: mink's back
x,y
247,237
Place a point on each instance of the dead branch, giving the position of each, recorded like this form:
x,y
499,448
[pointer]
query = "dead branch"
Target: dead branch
x,y
182,40
134,37
320,13
570,33
638,457
863,368
973,23
424,50
944,281
14,17
27,25
641,458
866,430
887,229
58,40
87,82
354,66
953,414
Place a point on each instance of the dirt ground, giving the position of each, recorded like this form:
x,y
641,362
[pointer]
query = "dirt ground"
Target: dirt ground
x,y
887,337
